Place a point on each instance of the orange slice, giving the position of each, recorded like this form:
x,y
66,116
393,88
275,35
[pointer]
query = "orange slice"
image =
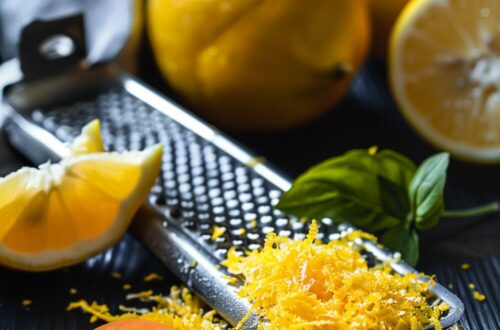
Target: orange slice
x,y
445,74
60,214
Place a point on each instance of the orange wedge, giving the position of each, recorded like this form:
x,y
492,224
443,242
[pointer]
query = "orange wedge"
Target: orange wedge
x,y
60,214
445,74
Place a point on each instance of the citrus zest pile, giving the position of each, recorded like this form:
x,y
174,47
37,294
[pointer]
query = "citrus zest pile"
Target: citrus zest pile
x,y
309,285
180,310
300,284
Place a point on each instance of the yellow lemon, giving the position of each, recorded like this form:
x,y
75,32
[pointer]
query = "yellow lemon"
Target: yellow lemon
x,y
259,65
60,214
384,14
445,74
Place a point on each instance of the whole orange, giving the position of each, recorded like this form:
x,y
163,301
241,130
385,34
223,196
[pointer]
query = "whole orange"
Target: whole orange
x,y
259,65
133,325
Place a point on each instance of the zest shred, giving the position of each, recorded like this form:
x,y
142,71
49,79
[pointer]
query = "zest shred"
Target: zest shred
x,y
300,284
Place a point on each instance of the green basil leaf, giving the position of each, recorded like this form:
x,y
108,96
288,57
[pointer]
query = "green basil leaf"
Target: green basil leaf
x,y
394,198
349,188
403,240
426,192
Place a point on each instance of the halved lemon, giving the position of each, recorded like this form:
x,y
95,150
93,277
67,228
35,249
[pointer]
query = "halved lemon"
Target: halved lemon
x,y
60,214
445,74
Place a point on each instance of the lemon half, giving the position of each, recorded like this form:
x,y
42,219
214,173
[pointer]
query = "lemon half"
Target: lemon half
x,y
445,74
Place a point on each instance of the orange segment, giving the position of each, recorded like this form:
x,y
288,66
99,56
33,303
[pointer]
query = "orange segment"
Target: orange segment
x,y
445,74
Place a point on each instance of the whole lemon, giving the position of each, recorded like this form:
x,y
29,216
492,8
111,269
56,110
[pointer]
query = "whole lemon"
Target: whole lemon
x,y
259,65
384,14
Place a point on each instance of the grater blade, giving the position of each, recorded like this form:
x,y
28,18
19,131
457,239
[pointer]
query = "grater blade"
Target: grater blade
x,y
207,180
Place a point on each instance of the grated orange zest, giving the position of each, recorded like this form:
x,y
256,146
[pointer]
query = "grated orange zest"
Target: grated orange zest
x,y
153,277
217,232
479,296
299,284
180,310
116,275
309,285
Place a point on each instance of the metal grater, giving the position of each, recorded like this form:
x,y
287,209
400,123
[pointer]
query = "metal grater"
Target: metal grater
x,y
207,179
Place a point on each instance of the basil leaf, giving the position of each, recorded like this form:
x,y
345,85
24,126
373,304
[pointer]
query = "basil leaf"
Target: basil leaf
x,y
426,192
349,188
403,240
394,198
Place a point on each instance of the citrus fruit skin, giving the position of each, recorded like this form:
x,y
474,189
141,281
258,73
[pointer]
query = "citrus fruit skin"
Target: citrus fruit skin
x,y
259,65
445,75
383,14
133,325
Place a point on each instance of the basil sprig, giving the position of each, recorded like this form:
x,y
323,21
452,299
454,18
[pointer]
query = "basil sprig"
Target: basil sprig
x,y
380,192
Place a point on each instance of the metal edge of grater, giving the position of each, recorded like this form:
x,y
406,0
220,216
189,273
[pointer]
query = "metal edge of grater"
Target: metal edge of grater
x,y
160,225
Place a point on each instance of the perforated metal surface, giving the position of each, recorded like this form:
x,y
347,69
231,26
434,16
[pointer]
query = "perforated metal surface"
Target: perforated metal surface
x,y
200,185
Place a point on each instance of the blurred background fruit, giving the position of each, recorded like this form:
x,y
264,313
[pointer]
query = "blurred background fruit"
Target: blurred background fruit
x,y
259,65
445,74
129,55
383,14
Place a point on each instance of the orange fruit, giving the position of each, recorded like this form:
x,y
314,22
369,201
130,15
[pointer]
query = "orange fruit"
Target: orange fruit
x,y
134,324
128,57
445,74
383,14
259,65
60,214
